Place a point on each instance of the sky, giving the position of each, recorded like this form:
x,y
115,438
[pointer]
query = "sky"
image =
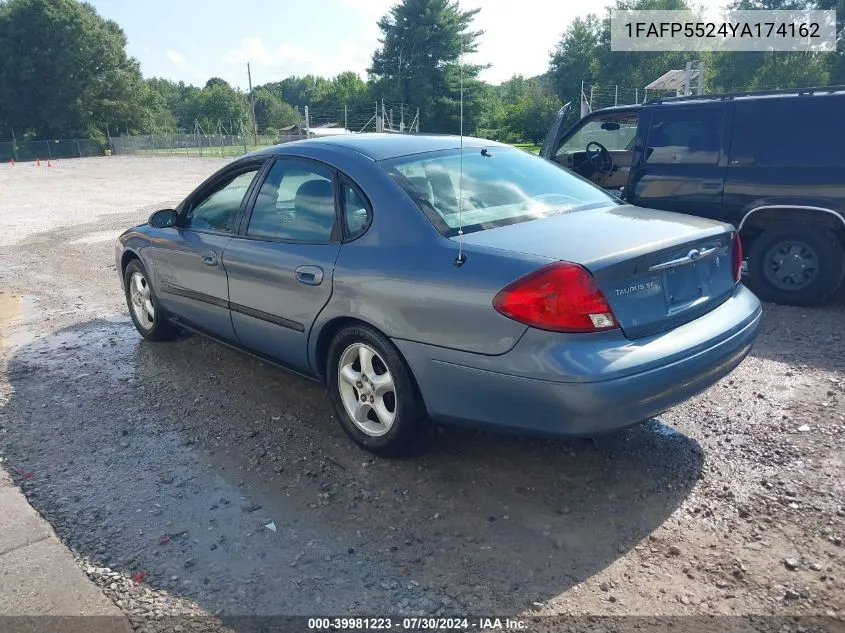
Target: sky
x,y
192,40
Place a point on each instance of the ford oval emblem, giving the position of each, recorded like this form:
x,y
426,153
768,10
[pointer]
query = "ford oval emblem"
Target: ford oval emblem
x,y
694,254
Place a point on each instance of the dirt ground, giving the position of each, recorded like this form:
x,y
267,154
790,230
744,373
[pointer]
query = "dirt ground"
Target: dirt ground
x,y
167,462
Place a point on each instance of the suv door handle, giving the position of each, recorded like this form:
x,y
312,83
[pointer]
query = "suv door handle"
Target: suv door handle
x,y
209,258
710,185
309,275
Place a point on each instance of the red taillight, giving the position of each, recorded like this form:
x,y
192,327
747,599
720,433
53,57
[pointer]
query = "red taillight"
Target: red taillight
x,y
736,258
562,297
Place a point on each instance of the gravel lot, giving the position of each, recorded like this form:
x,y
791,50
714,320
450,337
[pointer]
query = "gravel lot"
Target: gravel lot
x,y
166,462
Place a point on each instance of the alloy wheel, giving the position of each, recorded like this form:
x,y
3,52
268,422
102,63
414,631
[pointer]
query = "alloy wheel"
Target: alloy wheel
x,y
367,389
141,300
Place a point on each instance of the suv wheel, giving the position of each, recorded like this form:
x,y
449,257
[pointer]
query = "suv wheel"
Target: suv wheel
x,y
373,392
796,264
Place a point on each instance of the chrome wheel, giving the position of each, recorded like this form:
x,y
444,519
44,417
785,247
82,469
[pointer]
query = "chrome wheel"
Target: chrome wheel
x,y
367,389
791,265
141,300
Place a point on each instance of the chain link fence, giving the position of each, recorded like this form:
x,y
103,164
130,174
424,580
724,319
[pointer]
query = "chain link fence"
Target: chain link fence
x,y
219,145
196,144
315,122
50,149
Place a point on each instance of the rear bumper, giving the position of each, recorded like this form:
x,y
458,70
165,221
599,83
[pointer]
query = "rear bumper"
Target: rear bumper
x,y
610,384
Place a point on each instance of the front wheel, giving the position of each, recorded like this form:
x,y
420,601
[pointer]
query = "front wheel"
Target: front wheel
x,y
144,309
796,264
373,392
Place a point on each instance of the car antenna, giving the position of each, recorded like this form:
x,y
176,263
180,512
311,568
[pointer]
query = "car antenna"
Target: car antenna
x,y
461,257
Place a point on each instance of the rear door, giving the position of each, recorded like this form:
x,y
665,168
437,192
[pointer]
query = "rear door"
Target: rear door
x,y
684,162
281,263
192,282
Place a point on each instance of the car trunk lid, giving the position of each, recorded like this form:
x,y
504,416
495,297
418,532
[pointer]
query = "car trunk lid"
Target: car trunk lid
x,y
657,269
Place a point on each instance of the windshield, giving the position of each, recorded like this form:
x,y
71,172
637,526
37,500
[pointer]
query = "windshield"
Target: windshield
x,y
500,186
614,131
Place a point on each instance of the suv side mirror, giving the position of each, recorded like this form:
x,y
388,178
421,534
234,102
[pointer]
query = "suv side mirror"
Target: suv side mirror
x,y
163,219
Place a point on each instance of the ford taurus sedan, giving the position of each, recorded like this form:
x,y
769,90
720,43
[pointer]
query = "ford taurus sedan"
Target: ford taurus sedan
x,y
421,281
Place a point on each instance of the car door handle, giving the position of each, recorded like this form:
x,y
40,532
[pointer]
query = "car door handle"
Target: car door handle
x,y
709,186
309,275
209,258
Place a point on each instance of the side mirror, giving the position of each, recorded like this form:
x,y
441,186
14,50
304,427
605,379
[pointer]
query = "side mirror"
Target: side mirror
x,y
163,219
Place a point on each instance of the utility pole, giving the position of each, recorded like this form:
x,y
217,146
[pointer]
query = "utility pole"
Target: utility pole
x,y
252,105
687,77
14,145
700,77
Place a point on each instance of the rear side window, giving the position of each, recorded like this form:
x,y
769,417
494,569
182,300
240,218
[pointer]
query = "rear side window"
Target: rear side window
x,y
295,203
789,131
356,212
684,136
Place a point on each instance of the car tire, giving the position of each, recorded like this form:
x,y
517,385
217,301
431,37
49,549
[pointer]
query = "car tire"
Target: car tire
x,y
141,299
796,243
373,392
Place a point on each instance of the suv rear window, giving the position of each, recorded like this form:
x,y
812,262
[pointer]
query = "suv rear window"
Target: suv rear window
x,y
789,132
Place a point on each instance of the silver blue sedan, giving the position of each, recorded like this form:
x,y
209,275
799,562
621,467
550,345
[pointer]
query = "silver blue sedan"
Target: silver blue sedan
x,y
418,281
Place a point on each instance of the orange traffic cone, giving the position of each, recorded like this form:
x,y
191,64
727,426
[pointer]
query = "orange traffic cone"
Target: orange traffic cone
x,y
38,162
12,162
49,163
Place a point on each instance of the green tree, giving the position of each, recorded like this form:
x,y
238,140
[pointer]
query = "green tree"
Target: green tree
x,y
583,54
271,111
779,69
345,89
64,71
296,91
530,106
216,81
180,100
573,59
220,103
417,62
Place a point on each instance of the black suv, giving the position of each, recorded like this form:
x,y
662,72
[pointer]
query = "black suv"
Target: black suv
x,y
770,163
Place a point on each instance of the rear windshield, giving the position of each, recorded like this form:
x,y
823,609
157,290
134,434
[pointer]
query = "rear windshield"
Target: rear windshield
x,y
500,186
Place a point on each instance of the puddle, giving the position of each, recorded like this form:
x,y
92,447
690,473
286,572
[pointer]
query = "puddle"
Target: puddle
x,y
14,309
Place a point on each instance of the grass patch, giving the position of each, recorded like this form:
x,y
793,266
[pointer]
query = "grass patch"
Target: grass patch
x,y
528,147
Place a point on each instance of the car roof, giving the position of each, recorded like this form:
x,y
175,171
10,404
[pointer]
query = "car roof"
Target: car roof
x,y
383,146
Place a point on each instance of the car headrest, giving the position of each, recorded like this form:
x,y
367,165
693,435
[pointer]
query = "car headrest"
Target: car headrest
x,y
315,197
423,187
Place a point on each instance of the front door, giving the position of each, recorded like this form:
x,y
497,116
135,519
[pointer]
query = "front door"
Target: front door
x,y
599,148
683,165
192,281
281,263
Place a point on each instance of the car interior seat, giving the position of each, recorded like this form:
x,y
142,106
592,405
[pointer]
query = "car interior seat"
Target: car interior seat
x,y
314,212
266,220
445,199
